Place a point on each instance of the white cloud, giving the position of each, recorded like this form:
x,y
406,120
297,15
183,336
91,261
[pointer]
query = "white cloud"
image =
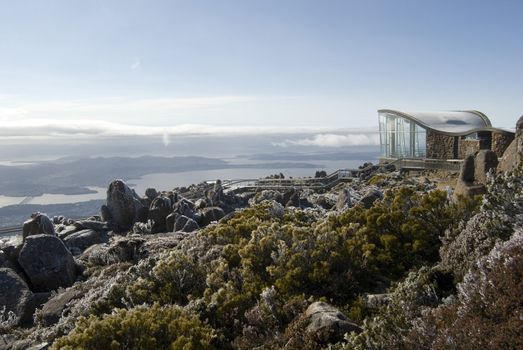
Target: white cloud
x,y
335,140
90,128
136,63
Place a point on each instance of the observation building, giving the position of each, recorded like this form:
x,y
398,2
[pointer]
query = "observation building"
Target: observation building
x,y
438,137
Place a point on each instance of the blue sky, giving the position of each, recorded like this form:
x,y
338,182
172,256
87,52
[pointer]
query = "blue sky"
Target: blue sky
x,y
266,63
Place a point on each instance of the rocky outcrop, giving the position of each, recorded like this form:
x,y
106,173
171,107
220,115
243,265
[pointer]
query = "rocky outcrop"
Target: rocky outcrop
x,y
327,323
512,155
211,214
485,161
81,240
344,200
473,175
47,263
52,310
38,224
158,212
120,250
15,297
185,224
291,198
121,208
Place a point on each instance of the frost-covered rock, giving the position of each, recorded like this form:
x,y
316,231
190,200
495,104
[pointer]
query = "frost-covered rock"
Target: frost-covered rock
x,y
47,262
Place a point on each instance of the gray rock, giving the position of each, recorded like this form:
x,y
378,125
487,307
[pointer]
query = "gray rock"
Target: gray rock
x,y
190,226
47,263
510,158
52,310
370,197
121,207
201,203
5,261
185,224
151,193
184,207
291,198
467,169
16,297
344,200
211,214
121,250
158,211
169,222
267,195
91,225
81,240
66,231
327,323
180,222
485,161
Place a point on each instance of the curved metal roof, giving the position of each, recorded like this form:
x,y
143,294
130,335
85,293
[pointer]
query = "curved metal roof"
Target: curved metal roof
x,y
455,123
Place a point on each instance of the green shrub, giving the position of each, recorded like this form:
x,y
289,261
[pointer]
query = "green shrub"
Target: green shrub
x,y
143,328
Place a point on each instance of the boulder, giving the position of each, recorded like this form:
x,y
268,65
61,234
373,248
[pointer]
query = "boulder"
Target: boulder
x,y
467,169
52,310
344,200
91,225
327,323
66,231
267,195
81,240
29,228
370,197
185,224
485,161
5,261
510,158
15,297
202,203
121,208
121,250
184,207
158,211
216,194
190,226
291,198
142,214
465,185
47,263
211,214
169,222
151,193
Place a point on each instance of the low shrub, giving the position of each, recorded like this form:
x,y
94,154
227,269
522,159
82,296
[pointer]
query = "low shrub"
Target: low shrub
x,y
143,328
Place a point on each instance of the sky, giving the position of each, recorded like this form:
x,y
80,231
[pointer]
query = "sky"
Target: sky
x,y
244,66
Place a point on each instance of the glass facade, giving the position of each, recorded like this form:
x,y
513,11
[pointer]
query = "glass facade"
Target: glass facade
x,y
401,138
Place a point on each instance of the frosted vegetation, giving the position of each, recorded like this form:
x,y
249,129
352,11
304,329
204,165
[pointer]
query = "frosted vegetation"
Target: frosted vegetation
x,y
449,273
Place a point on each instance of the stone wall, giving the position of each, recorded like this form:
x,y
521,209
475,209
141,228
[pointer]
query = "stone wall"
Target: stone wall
x,y
468,147
439,146
500,142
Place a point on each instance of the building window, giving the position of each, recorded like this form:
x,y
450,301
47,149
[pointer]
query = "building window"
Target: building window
x,y
401,137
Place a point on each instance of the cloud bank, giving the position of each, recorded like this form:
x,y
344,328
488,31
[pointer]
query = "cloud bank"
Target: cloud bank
x,y
335,140
92,128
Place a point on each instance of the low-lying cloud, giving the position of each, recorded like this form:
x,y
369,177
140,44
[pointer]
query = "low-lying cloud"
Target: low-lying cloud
x,y
92,128
335,140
